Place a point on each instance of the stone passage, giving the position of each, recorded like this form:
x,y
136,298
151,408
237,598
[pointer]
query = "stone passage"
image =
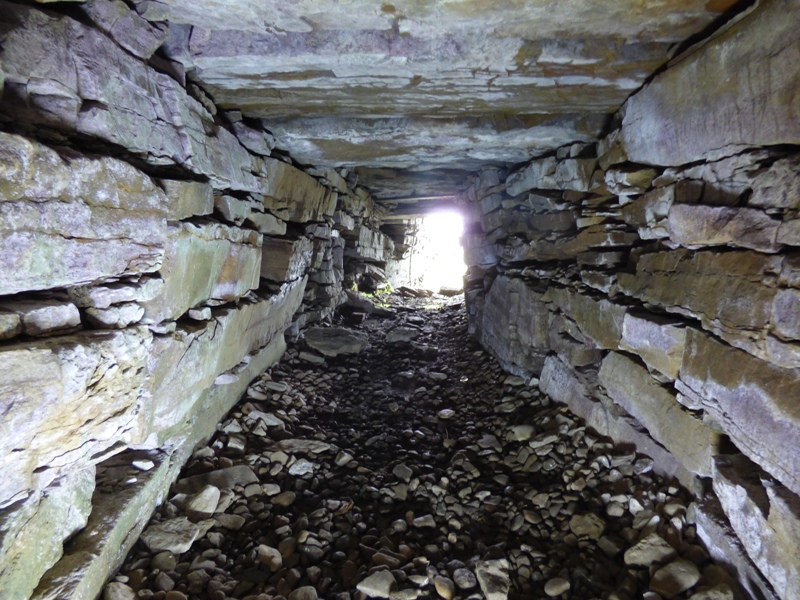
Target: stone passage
x,y
186,186
414,467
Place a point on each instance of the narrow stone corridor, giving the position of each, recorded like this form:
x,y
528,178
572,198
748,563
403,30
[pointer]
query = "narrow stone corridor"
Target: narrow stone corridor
x,y
414,468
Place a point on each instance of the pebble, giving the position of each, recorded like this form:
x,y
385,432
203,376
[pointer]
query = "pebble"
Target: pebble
x,y
343,458
234,522
493,577
203,504
118,591
175,535
652,549
301,467
284,499
403,472
588,525
163,582
464,579
270,557
721,591
378,585
675,578
306,592
424,521
164,561
556,586
445,587
522,433
406,594
143,465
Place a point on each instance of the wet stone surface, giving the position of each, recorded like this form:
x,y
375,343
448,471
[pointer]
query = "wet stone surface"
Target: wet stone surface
x,y
414,469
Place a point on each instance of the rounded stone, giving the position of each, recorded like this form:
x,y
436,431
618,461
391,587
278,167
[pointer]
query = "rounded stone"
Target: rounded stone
x,y
203,504
284,499
589,525
307,592
270,557
556,586
118,591
675,578
164,561
445,587
164,582
464,579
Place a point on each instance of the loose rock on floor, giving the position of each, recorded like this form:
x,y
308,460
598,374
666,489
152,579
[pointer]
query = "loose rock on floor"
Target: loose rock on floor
x,y
415,469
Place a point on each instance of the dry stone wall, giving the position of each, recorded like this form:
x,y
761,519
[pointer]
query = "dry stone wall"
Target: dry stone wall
x,y
650,281
155,253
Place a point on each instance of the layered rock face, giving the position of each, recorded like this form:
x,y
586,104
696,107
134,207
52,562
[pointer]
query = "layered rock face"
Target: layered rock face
x,y
153,258
650,282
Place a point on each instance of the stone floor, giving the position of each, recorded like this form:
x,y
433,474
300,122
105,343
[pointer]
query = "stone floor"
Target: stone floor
x,y
415,468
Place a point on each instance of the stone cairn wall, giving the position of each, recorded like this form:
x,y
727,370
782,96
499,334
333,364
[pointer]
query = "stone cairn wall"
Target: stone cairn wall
x,y
155,251
651,281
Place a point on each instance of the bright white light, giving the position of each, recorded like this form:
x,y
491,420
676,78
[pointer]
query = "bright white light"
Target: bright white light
x,y
438,259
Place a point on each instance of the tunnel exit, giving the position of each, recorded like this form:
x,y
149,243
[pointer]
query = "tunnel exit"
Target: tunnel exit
x,y
437,258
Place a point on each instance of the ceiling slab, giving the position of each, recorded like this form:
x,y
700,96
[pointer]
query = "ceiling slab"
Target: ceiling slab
x,y
427,86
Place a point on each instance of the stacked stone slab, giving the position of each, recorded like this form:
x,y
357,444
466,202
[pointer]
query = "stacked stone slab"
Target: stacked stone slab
x,y
139,293
650,282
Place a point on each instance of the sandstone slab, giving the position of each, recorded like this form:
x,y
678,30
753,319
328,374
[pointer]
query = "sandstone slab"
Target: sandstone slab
x,y
725,291
42,318
101,217
777,186
571,346
688,438
370,245
137,35
292,194
765,517
598,319
478,251
723,545
332,341
33,530
514,325
563,384
711,102
697,225
188,198
88,385
115,523
284,259
658,342
184,364
202,262
649,212
752,400
60,68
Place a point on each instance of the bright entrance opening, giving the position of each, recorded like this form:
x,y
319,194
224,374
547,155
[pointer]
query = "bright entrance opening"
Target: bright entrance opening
x,y
437,258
